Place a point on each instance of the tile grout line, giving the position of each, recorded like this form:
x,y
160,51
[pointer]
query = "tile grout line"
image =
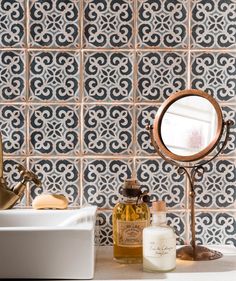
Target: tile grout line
x,y
142,50
189,48
82,103
27,28
187,186
135,81
144,103
91,156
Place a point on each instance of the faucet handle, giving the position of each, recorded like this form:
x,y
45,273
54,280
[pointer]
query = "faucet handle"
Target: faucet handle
x,y
29,175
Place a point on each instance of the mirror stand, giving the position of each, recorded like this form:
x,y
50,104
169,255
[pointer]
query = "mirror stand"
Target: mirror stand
x,y
193,251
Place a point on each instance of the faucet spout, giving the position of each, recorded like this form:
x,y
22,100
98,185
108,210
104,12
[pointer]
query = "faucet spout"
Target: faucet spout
x,y
8,198
27,176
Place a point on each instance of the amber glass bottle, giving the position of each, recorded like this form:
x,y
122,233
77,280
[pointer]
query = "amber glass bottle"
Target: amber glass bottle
x,y
130,217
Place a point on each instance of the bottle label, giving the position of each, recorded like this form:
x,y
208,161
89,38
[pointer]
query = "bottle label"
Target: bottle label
x,y
130,233
160,248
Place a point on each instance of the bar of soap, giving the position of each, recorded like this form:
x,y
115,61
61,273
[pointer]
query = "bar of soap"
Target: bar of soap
x,y
50,201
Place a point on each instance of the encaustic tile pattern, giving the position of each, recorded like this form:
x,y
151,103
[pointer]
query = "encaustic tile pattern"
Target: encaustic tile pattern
x,y
79,81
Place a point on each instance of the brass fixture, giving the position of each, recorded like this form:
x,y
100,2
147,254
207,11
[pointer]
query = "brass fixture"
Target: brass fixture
x,y
10,196
176,155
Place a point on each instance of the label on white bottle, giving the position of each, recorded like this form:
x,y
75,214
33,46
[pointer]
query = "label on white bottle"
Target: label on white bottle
x,y
160,248
130,233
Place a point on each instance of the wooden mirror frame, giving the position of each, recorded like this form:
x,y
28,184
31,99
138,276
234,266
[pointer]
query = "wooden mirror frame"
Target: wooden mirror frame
x,y
158,121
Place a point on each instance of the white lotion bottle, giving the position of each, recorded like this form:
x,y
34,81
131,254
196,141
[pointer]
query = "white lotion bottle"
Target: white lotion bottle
x,y
159,242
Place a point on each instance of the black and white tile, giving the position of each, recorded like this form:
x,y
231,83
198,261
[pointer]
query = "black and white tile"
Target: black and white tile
x,y
103,180
13,176
108,76
161,74
54,130
213,24
12,76
108,129
104,223
13,127
11,173
214,73
216,228
54,76
229,113
178,221
162,182
12,23
58,176
75,100
162,23
54,23
216,188
108,24
145,115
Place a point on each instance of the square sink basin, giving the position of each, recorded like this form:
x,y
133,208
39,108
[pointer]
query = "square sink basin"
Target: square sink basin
x,y
47,244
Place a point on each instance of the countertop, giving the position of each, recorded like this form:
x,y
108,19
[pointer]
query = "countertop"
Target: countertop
x,y
223,269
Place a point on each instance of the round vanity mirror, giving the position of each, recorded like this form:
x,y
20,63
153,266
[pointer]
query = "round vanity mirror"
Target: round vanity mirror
x,y
188,125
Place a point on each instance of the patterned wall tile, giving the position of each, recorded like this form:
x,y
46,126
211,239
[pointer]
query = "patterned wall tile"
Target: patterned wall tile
x,y
108,24
162,23
132,55
213,24
144,116
108,129
161,74
12,76
54,130
58,176
13,177
108,76
103,180
54,23
12,127
229,113
216,228
162,182
11,173
178,222
216,188
104,221
12,17
214,73
54,76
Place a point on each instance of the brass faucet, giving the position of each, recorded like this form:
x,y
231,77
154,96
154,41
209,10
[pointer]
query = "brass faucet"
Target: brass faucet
x,y
10,196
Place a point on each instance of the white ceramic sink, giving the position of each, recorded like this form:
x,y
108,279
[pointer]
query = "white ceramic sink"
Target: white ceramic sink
x,y
47,243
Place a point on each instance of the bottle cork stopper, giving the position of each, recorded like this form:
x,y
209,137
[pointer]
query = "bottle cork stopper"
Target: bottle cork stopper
x,y
159,206
131,183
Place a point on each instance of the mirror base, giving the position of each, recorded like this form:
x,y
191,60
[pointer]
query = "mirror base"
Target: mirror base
x,y
201,254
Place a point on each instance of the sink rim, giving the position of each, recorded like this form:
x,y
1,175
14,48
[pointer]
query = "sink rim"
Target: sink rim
x,y
86,225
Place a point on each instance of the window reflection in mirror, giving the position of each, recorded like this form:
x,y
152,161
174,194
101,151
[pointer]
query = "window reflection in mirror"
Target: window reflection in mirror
x,y
189,125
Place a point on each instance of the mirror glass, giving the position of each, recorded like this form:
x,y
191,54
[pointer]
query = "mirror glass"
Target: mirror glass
x,y
189,125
